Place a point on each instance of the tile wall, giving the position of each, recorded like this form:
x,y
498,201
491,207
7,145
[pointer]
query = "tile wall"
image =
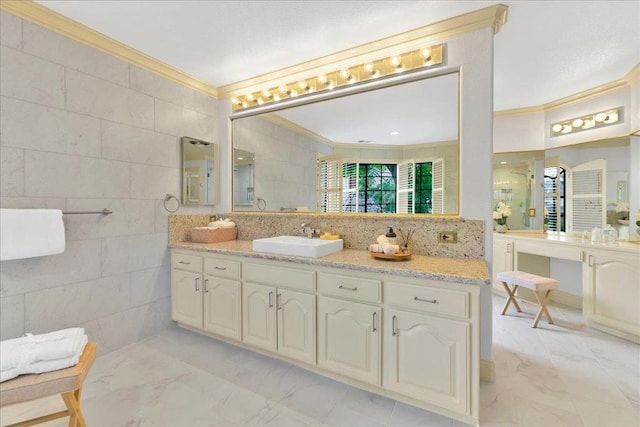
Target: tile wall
x,y
82,130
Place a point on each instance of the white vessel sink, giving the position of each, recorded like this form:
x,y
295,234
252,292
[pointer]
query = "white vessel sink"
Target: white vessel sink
x,y
297,245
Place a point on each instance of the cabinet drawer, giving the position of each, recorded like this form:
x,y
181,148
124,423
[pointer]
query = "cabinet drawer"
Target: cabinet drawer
x,y
427,299
350,287
279,276
186,262
222,267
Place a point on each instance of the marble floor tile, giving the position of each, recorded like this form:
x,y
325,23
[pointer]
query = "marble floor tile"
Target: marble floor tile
x,y
564,375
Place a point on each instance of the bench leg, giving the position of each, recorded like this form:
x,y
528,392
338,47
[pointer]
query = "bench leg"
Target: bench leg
x,y
72,400
512,297
543,308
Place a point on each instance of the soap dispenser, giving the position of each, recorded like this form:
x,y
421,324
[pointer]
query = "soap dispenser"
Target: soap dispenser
x,y
391,236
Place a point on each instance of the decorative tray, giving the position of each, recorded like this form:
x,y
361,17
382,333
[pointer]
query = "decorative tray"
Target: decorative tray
x,y
395,257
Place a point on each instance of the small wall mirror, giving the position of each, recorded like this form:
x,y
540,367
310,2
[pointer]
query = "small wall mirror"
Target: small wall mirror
x,y
243,179
199,171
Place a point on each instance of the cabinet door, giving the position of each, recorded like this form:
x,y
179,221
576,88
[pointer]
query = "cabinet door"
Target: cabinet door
x,y
186,298
258,315
296,325
611,291
426,358
502,258
222,305
349,339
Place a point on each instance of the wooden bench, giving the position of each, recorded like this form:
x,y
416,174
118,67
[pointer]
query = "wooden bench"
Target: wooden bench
x,y
531,281
67,382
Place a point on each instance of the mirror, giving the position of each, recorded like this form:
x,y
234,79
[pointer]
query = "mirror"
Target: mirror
x,y
376,135
199,171
243,177
542,180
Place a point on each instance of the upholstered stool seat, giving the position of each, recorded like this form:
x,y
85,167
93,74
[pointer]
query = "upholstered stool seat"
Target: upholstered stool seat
x,y
531,281
67,382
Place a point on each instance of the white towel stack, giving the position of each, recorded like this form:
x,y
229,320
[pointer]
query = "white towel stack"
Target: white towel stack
x,y
383,246
29,233
222,223
35,354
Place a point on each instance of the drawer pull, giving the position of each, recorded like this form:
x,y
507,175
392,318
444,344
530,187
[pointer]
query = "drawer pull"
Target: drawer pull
x,y
278,301
220,268
393,326
432,301
347,288
185,262
206,285
270,299
197,288
375,321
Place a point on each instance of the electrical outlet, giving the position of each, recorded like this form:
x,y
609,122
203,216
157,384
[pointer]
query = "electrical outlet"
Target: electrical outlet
x,y
447,236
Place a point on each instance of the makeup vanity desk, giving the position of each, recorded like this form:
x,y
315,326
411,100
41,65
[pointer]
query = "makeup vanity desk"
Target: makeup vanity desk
x,y
610,274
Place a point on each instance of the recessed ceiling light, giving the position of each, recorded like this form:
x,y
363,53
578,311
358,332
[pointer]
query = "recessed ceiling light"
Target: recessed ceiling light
x,y
395,132
240,158
503,163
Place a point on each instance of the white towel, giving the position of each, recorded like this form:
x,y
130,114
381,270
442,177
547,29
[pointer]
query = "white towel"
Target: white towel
x,y
28,233
382,239
35,354
222,223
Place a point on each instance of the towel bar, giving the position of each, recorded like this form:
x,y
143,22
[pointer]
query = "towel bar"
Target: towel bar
x,y
104,211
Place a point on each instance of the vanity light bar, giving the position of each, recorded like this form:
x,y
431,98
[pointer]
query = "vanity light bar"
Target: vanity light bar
x,y
590,121
421,58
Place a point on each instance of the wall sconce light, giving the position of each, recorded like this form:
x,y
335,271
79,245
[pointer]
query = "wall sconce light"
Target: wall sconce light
x,y
383,67
590,121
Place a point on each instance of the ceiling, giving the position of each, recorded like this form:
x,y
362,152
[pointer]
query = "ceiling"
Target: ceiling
x,y
547,50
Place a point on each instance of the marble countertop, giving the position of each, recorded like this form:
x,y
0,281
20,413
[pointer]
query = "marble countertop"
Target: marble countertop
x,y
458,270
573,239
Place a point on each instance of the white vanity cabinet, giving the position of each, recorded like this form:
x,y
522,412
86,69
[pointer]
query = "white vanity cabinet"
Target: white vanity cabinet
x,y
428,343
503,250
611,292
349,332
186,289
275,317
222,304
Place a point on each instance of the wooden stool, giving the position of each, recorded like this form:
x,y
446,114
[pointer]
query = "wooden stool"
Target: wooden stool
x,y
531,281
67,382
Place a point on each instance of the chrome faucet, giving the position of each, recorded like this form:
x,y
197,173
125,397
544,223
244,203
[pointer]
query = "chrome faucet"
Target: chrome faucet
x,y
308,230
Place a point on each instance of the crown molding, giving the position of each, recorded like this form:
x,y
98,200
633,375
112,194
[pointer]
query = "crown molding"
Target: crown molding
x,y
47,18
493,17
628,80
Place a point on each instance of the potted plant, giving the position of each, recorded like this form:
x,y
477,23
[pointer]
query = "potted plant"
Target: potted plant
x,y
500,214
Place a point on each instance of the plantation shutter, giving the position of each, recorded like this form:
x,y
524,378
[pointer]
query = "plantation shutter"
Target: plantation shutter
x,y
437,192
406,187
350,187
588,204
329,184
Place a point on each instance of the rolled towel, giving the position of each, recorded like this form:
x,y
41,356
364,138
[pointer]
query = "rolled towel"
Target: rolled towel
x,y
374,248
59,345
222,223
10,354
382,239
390,249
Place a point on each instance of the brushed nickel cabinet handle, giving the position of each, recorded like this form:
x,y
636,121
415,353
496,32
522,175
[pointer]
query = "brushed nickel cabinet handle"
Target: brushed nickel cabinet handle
x,y
375,321
393,326
206,285
197,288
185,262
591,261
220,268
270,299
432,301
347,288
278,301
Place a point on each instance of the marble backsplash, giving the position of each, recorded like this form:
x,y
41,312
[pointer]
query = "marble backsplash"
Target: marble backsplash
x,y
357,230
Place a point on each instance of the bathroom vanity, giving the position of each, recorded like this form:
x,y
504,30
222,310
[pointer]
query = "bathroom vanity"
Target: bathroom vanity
x,y
407,330
610,274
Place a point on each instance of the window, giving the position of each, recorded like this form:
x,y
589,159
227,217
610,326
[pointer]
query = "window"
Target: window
x,y
554,197
424,187
377,187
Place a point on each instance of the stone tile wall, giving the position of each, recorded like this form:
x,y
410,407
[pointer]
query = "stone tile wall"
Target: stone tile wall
x,y
82,130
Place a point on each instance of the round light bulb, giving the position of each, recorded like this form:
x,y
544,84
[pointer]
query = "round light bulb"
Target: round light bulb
x,y
557,127
368,68
345,74
322,79
426,54
250,97
577,123
283,89
266,93
302,85
235,101
395,61
260,101
600,117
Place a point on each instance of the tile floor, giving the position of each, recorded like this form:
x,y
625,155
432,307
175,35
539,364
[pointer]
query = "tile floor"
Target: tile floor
x,y
557,375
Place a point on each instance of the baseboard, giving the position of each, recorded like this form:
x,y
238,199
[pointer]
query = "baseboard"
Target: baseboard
x,y
559,297
487,370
